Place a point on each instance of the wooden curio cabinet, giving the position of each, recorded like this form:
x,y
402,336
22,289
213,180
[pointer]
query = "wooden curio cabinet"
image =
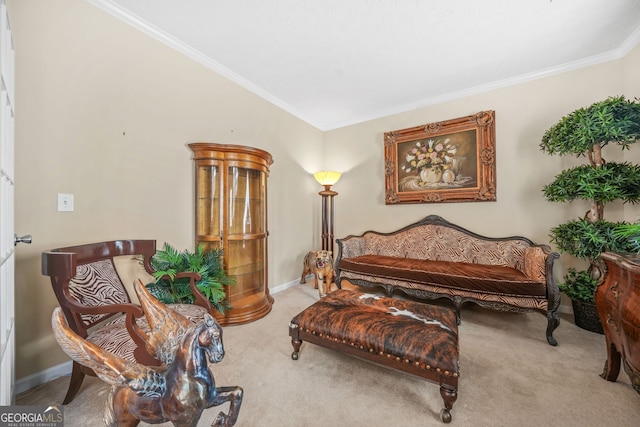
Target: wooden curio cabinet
x,y
231,213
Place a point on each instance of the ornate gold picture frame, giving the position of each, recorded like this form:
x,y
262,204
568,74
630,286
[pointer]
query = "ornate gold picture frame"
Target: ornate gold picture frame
x,y
448,161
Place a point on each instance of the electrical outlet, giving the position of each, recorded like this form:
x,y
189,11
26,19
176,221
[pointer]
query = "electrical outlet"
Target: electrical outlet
x,y
65,202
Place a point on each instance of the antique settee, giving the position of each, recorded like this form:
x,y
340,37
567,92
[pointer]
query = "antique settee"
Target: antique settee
x,y
433,259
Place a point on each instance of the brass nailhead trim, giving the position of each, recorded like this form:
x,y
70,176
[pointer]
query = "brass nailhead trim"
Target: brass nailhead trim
x,y
382,353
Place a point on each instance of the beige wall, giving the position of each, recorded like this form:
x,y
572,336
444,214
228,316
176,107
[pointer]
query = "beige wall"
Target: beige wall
x,y
523,113
105,112
631,79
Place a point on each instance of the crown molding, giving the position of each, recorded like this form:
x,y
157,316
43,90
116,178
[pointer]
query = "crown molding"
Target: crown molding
x,y
138,23
624,49
119,12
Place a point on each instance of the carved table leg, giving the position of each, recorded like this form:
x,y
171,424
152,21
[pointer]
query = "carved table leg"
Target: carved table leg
x,y
612,365
296,343
633,376
449,395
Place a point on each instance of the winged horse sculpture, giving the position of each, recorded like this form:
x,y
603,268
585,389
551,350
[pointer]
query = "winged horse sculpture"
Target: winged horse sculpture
x,y
178,390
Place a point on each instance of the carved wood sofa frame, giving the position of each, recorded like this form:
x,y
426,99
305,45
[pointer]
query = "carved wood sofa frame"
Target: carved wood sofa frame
x,y
433,259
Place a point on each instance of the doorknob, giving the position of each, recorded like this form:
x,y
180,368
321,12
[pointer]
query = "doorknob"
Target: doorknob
x,y
23,239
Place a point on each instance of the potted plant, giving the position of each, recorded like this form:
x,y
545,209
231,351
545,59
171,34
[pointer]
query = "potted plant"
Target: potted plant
x,y
207,262
585,132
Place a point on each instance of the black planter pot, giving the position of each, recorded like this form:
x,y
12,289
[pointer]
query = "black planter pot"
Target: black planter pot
x,y
586,316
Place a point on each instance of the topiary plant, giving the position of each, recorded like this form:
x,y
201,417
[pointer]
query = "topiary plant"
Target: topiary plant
x,y
585,132
207,262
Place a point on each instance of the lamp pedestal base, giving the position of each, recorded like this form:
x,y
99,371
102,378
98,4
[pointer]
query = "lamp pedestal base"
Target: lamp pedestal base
x,y
327,217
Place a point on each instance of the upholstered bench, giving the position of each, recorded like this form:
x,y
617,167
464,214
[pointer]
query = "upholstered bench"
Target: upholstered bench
x,y
412,337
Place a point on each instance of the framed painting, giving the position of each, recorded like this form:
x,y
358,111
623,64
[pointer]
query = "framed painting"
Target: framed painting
x,y
449,161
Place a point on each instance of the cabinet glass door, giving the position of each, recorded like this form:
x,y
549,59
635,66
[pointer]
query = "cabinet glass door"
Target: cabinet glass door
x,y
208,207
246,245
246,196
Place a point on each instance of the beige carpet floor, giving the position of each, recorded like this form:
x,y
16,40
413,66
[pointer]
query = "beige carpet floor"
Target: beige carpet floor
x,y
509,376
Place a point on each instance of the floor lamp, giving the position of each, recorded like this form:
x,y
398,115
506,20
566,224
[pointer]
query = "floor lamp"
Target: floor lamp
x,y
327,179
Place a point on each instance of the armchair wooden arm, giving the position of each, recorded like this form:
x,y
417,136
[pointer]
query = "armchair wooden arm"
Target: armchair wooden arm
x,y
97,305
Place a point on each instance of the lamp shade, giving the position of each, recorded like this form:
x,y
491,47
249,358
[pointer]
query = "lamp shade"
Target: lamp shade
x,y
327,177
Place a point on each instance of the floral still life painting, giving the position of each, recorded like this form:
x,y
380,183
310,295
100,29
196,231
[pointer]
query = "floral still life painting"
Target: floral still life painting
x,y
449,161
437,163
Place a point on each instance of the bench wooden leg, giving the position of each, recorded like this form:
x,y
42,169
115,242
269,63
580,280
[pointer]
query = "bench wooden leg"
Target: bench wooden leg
x,y
296,343
449,395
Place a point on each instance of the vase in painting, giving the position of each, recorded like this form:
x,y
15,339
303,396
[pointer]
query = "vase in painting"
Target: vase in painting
x,y
430,175
448,176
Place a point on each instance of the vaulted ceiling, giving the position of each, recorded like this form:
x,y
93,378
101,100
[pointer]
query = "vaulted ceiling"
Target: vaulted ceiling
x,y
337,62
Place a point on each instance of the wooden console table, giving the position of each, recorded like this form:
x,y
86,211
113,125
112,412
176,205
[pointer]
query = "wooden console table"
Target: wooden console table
x,y
617,301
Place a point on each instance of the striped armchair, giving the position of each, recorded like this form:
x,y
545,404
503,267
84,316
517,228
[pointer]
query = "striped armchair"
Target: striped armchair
x,y
97,305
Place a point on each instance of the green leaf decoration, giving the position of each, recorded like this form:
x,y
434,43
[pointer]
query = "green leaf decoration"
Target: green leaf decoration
x,y
629,232
586,132
587,240
611,181
614,120
205,261
579,285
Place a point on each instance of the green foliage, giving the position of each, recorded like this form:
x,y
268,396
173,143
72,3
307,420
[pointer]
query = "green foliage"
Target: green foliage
x,y
587,240
207,262
614,120
579,285
629,232
586,131
611,181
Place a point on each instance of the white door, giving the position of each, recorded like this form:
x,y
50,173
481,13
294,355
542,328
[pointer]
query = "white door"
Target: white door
x,y
7,261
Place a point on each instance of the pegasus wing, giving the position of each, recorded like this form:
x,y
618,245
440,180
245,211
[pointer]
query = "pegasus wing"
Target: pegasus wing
x,y
109,367
167,327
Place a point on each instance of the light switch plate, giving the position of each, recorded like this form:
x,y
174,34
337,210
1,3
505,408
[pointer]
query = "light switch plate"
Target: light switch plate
x,y
65,202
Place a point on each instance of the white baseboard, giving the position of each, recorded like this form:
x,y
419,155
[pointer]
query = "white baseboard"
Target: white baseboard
x,y
42,377
286,286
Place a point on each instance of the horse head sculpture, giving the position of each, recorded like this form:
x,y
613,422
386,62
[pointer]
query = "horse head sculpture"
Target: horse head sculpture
x,y
177,391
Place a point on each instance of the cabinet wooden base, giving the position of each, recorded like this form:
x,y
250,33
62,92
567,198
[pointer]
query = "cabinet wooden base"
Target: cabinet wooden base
x,y
246,310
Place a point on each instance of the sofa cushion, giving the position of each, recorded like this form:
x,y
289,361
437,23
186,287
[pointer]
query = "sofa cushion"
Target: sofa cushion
x,y
458,275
